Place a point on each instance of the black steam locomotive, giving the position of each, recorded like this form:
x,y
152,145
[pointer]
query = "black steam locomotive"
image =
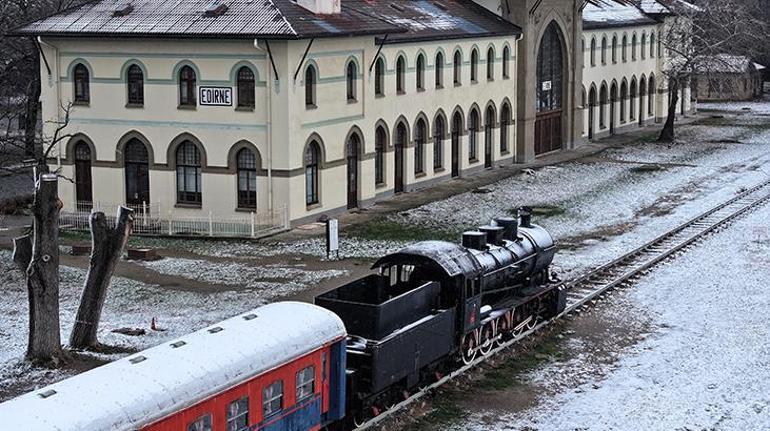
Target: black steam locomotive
x,y
436,303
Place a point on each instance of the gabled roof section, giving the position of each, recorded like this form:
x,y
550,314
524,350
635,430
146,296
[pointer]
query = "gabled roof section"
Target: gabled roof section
x,y
279,19
273,19
613,13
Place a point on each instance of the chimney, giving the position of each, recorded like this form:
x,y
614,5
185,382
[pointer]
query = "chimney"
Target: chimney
x,y
322,7
510,226
525,214
475,240
494,234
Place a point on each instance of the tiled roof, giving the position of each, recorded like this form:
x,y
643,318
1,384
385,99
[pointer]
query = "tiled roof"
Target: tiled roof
x,y
278,19
613,13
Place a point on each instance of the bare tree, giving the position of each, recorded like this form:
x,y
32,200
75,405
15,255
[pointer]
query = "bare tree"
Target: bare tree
x,y
694,37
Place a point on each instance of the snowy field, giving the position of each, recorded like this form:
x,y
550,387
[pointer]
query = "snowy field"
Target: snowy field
x,y
703,367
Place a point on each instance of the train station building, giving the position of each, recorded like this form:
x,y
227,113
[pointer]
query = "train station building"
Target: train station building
x,y
306,108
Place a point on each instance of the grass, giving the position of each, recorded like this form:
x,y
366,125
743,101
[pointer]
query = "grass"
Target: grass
x,y
507,373
445,411
383,229
541,212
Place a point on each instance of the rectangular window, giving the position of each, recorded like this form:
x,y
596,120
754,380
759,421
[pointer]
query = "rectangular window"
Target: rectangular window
x,y
203,423
238,415
272,399
305,383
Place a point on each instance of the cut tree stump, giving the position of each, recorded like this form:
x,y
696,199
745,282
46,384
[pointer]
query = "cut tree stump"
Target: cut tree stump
x,y
147,254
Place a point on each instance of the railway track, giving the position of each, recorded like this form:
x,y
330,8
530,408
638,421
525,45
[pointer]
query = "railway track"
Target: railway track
x,y
586,289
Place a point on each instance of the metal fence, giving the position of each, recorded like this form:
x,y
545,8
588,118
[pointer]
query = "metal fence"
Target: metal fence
x,y
149,220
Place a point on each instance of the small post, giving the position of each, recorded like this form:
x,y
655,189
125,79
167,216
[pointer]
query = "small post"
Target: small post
x,y
332,238
170,221
144,213
211,225
253,227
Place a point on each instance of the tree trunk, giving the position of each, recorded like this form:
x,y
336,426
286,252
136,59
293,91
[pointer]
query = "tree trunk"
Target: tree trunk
x,y
106,247
38,258
32,148
667,134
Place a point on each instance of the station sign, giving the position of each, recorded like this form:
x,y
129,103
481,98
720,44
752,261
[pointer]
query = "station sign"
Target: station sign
x,y
215,96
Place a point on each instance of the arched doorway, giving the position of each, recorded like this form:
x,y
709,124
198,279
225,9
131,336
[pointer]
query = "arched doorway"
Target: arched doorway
x,y
83,187
400,144
137,166
642,94
591,112
613,102
457,125
352,149
550,91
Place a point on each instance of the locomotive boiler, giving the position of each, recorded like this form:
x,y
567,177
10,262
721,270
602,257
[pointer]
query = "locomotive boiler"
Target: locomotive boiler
x,y
436,303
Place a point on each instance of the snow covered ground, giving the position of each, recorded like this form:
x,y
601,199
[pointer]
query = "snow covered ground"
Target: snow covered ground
x,y
704,366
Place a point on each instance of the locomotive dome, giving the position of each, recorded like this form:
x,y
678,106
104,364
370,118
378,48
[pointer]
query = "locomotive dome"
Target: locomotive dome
x,y
135,391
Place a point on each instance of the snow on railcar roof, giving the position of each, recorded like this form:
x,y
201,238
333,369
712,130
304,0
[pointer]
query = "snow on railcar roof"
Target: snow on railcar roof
x,y
149,385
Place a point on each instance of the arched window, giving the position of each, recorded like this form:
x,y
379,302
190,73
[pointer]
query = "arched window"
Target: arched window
x,y
623,101
652,45
420,135
458,64
439,70
603,107
137,173
633,47
604,49
651,96
246,88
644,46
614,49
401,75
593,51
474,65
632,101
135,81
312,159
82,84
624,49
457,129
473,130
439,130
187,84
420,72
489,125
83,188
490,64
247,179
506,60
188,174
505,122
379,77
379,155
310,82
352,79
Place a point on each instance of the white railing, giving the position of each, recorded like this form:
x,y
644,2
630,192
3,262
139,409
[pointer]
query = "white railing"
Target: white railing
x,y
151,221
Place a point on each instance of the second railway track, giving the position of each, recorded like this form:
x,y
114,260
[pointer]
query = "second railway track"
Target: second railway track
x,y
586,289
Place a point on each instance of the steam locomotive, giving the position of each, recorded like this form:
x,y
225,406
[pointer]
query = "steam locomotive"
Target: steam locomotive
x,y
297,366
436,303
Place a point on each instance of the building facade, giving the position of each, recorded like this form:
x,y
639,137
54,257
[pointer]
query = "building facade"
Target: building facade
x,y
729,77
317,107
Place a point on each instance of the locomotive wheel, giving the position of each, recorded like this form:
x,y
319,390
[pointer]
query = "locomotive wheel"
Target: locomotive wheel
x,y
503,331
487,341
532,322
469,349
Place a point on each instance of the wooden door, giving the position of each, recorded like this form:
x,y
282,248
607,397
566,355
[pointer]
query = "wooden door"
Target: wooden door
x,y
399,167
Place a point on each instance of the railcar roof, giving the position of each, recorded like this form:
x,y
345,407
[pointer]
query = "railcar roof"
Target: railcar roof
x,y
142,388
273,19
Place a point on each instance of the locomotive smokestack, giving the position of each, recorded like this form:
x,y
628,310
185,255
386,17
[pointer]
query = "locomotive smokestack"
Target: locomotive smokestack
x,y
510,227
475,240
495,234
525,214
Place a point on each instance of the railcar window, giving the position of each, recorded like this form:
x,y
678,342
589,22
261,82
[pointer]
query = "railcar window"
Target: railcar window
x,y
468,288
238,415
406,272
305,383
272,398
203,423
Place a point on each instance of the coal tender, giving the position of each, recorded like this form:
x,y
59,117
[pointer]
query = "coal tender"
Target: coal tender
x,y
435,305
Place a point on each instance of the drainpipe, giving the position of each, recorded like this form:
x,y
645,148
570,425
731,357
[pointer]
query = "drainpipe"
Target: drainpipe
x,y
269,128
57,88
514,105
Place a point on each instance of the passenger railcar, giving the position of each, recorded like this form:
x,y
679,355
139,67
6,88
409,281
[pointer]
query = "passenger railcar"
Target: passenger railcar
x,y
277,368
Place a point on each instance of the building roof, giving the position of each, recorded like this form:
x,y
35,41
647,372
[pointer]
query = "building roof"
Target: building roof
x,y
613,13
131,393
725,63
273,19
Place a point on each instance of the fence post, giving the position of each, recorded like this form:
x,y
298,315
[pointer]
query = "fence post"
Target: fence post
x,y
170,221
211,225
253,228
144,213
286,222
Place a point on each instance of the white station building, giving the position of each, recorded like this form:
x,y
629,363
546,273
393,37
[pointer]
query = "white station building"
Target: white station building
x,y
200,108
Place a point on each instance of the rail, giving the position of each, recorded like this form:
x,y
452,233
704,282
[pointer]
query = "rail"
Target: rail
x,y
587,288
